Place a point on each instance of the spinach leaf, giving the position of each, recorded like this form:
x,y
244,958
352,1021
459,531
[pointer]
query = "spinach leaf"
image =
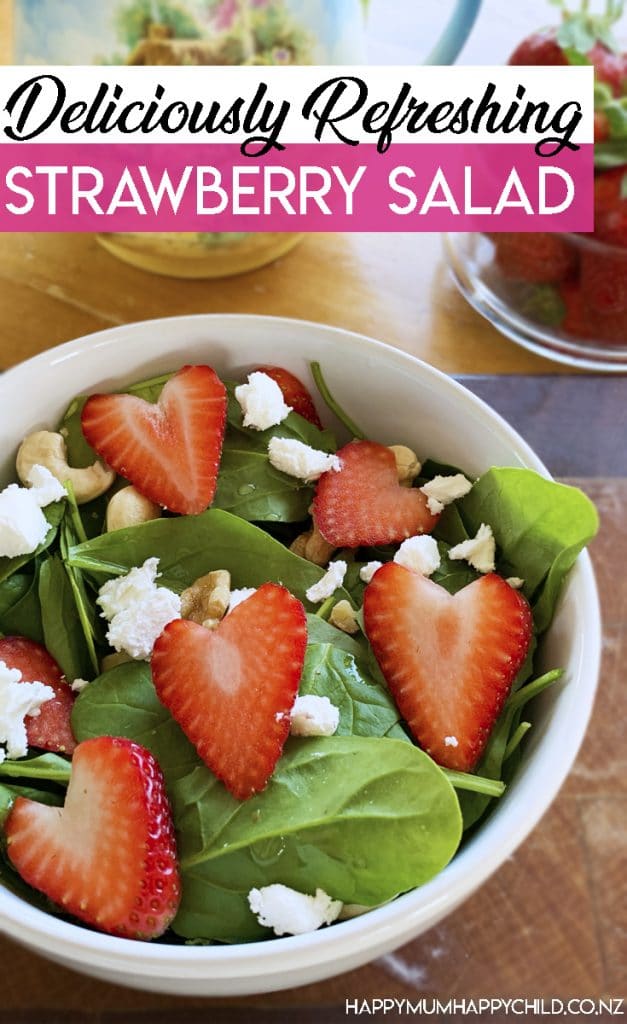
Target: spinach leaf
x,y
10,793
123,702
321,632
190,546
20,611
540,528
63,633
43,766
335,814
366,708
54,514
250,487
452,574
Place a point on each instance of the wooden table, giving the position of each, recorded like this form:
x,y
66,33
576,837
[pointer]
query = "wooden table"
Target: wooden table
x,y
553,920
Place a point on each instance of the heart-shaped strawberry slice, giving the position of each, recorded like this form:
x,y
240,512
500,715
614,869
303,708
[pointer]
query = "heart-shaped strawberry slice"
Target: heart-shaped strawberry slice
x,y
363,503
169,450
231,689
449,661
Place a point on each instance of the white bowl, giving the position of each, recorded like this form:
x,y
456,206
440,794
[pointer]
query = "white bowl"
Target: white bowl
x,y
398,399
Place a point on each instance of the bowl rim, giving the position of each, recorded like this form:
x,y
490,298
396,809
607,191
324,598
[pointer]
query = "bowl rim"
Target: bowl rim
x,y
398,921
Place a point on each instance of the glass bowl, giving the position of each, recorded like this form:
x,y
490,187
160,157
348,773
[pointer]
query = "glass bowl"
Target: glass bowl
x,y
562,296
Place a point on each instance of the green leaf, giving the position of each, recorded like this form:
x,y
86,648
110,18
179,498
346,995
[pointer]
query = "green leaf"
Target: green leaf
x,y
123,702
20,611
540,528
610,154
9,793
54,514
366,708
336,814
44,766
333,405
63,634
190,546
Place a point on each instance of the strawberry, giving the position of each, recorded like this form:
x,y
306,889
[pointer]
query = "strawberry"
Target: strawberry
x,y
231,689
540,49
609,67
576,321
601,126
51,729
610,206
537,257
295,394
363,502
604,282
449,661
169,450
109,856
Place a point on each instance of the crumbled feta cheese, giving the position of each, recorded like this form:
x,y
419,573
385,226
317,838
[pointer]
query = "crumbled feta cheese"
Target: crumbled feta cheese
x,y
451,741
137,610
261,401
326,587
17,700
44,487
515,582
79,685
237,596
442,490
314,716
298,459
23,526
479,551
368,570
419,554
289,912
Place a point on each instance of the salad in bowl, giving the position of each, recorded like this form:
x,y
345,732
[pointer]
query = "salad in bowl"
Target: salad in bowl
x,y
261,670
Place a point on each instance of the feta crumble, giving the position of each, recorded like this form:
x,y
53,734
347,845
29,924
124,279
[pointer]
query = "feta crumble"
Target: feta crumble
x,y
442,490
289,912
137,610
301,460
479,551
79,685
451,741
515,582
261,401
44,487
314,716
326,587
419,554
17,701
237,596
368,570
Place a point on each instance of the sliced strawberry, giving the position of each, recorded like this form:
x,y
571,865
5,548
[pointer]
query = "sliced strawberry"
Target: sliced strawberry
x,y
449,661
231,689
363,502
294,392
534,256
604,282
109,855
169,450
610,206
51,729
576,319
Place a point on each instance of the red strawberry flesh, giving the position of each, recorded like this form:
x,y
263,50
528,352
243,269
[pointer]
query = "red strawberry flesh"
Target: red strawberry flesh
x,y
232,689
295,394
169,450
51,729
363,502
108,856
449,661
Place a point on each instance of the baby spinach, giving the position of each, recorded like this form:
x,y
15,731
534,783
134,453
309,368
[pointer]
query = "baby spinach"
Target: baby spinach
x,y
63,634
54,514
190,546
366,708
20,610
8,794
123,702
50,767
540,528
335,814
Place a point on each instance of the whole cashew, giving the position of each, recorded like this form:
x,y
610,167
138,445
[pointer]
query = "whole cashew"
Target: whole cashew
x,y
44,448
130,508
407,464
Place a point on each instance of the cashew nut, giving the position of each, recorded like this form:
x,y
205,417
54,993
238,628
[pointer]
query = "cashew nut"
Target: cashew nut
x,y
344,617
130,508
312,546
407,464
207,600
44,448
